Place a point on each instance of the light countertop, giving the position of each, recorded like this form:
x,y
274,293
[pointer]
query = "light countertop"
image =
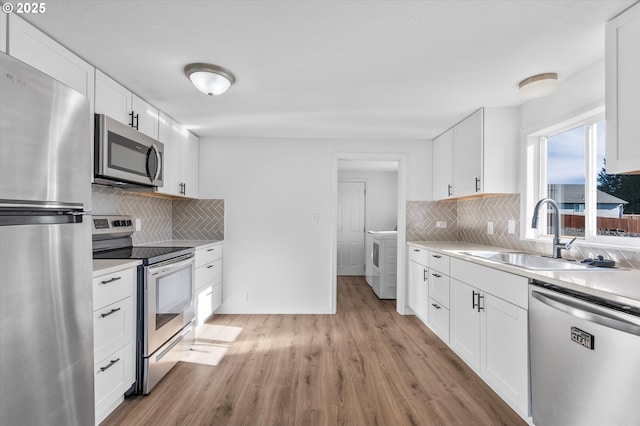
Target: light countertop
x,y
620,285
184,243
107,266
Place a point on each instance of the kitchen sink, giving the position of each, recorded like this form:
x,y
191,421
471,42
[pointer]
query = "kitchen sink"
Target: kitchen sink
x,y
532,262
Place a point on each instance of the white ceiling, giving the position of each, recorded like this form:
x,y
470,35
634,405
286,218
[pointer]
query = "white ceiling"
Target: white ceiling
x,y
332,69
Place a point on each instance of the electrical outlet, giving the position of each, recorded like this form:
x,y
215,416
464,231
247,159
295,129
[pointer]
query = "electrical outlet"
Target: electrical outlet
x,y
512,226
490,228
441,224
138,223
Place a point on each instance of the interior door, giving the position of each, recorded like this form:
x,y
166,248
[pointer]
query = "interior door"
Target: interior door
x,y
351,227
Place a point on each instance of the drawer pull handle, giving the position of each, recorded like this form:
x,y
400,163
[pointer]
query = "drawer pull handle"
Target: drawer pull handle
x,y
111,312
437,256
110,281
435,306
437,275
211,249
210,266
111,364
416,249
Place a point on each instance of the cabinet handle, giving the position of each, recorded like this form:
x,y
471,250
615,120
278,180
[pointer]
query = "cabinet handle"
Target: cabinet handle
x,y
437,275
113,361
210,266
110,281
437,256
131,120
477,185
473,299
449,190
111,312
424,274
435,306
184,188
211,249
480,297
134,120
416,249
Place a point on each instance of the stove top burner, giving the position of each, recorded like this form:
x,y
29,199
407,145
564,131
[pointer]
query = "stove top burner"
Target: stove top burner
x,y
148,255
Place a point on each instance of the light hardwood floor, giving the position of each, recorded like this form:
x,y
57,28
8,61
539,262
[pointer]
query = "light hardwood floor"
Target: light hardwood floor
x,y
366,365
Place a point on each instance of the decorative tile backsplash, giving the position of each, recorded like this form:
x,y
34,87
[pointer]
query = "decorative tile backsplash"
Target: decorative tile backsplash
x,y
467,222
198,219
206,217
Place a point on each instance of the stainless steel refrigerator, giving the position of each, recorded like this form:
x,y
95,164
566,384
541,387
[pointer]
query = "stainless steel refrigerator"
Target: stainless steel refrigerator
x,y
46,321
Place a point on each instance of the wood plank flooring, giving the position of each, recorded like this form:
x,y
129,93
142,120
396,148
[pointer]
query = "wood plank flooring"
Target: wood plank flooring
x,y
366,365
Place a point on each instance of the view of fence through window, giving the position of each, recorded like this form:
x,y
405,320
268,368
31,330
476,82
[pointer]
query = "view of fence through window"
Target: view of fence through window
x,y
617,201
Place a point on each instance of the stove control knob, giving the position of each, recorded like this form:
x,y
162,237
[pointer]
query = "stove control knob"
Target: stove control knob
x,y
116,223
128,222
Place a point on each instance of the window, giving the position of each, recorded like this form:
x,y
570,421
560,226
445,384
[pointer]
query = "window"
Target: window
x,y
570,168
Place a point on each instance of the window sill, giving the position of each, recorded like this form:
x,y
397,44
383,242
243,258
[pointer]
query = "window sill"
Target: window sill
x,y
599,242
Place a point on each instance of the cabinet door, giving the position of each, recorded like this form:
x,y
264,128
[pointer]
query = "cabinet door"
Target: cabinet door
x,y
418,290
467,155
3,32
168,135
443,166
146,117
464,336
112,99
504,329
190,149
623,92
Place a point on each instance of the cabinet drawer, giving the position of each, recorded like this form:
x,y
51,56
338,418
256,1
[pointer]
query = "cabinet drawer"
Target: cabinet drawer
x,y
209,273
439,287
439,262
419,255
112,327
439,320
111,379
110,288
208,254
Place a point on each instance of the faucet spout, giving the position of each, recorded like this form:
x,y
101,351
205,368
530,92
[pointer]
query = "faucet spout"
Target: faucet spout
x,y
557,246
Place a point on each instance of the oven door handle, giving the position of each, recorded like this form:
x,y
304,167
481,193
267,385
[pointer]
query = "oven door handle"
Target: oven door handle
x,y
174,264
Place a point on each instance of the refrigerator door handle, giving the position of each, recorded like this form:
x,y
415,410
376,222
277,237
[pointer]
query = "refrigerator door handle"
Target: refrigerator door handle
x,y
586,312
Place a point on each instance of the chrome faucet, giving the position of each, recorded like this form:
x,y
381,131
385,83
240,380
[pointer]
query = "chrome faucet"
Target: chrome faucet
x,y
557,245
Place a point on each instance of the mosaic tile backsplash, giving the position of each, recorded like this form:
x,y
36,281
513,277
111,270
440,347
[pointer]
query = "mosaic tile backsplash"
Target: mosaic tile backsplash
x,y
162,217
467,222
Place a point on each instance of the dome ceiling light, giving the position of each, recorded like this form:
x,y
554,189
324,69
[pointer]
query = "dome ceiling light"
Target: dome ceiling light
x,y
538,85
209,79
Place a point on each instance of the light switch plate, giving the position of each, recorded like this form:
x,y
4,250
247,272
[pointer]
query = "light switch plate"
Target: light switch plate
x,y
441,224
490,228
512,226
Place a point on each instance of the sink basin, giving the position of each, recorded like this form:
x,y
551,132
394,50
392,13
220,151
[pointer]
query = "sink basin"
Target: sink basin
x,y
532,262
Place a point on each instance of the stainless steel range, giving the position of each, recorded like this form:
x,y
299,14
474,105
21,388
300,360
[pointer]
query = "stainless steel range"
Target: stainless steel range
x,y
165,307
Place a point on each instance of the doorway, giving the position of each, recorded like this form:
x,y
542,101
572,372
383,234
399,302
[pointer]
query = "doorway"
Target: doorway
x,y
356,167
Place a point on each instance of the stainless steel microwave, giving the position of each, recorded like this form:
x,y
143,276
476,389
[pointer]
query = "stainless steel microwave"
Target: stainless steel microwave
x,y
125,156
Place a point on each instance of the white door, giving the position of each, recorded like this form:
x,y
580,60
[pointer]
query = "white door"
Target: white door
x,y
351,228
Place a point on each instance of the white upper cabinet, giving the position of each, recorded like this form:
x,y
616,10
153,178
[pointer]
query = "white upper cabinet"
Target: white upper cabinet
x,y
181,148
121,104
443,166
481,156
467,155
37,49
3,32
622,64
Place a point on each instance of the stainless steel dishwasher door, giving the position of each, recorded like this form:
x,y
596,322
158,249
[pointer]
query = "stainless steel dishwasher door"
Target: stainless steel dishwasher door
x,y
585,362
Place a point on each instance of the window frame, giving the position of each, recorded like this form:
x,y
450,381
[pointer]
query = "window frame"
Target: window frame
x,y
535,184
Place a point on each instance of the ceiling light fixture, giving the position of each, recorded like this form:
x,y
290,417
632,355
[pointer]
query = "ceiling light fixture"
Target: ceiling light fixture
x,y
538,85
209,79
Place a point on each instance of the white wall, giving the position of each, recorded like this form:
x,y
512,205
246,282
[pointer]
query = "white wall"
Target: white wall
x,y
276,260
381,207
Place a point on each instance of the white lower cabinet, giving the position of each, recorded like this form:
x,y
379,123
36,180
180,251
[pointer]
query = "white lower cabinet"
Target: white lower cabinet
x,y
114,330
418,283
489,333
208,281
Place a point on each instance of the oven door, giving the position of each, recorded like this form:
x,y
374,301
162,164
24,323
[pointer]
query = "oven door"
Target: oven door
x,y
169,301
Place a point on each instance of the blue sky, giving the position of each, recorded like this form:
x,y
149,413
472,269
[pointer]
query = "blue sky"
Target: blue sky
x,y
566,155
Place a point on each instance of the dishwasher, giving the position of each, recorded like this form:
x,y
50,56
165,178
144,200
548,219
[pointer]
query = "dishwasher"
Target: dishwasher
x,y
585,358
